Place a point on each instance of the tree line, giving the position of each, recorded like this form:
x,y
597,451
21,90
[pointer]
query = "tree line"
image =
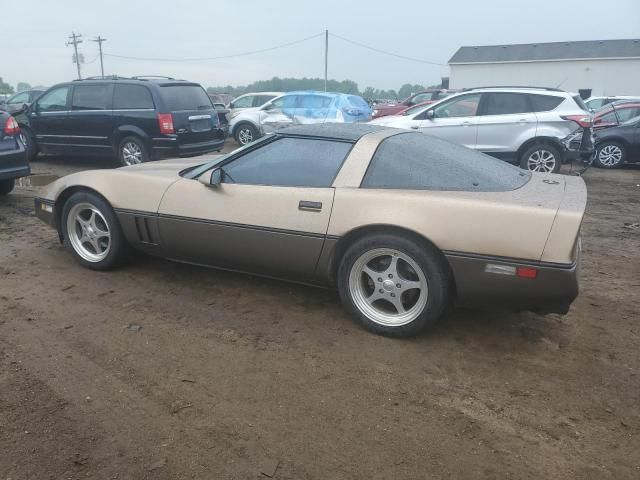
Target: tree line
x,y
277,84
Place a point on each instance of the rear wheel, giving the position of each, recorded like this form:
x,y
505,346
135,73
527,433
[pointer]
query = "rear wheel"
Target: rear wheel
x,y
132,151
392,285
91,232
610,155
29,141
6,186
541,158
245,133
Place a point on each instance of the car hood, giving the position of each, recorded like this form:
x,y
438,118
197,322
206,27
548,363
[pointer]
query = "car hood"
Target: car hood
x,y
138,187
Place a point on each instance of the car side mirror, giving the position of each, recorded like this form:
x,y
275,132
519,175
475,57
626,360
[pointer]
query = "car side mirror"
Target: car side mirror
x,y
430,114
211,178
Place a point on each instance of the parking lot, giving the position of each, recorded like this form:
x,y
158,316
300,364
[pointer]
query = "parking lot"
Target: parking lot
x,y
166,371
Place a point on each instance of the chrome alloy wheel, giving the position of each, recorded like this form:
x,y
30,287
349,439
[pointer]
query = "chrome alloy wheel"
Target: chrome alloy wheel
x,y
245,135
23,139
541,161
388,287
132,153
88,232
610,155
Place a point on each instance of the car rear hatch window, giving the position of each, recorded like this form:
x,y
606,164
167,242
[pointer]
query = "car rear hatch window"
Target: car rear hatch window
x,y
195,120
415,161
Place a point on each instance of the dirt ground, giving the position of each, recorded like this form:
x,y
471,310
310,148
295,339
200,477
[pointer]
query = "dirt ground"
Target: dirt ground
x,y
166,371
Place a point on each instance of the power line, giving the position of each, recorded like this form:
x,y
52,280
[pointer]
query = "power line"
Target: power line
x,y
362,45
243,54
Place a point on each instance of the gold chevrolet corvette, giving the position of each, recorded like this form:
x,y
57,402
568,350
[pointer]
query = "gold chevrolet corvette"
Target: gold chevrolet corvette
x,y
402,223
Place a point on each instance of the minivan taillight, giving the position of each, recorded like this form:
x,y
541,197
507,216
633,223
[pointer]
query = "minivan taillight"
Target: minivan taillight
x,y
584,121
165,121
11,128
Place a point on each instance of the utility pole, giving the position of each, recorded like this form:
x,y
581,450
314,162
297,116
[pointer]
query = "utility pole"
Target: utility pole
x,y
99,39
326,57
74,40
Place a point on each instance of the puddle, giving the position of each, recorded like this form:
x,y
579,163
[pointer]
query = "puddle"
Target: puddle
x,y
36,180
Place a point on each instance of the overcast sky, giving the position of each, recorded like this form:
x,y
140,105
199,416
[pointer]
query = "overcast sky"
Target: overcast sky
x,y
33,36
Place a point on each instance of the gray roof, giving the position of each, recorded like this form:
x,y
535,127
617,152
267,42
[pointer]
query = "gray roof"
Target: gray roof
x,y
548,51
341,131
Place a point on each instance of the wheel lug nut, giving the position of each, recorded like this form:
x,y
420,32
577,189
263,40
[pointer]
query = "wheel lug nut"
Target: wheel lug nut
x,y
390,276
381,291
393,294
398,285
379,279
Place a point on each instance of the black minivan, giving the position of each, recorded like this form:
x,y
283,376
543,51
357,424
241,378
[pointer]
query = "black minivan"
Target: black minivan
x,y
135,119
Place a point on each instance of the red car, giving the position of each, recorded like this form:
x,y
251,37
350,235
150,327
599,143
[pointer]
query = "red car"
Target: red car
x,y
614,114
426,97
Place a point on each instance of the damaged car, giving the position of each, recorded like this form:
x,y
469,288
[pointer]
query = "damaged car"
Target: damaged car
x,y
536,128
297,108
402,224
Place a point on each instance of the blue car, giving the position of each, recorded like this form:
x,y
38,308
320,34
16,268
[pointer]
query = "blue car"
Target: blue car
x,y
298,108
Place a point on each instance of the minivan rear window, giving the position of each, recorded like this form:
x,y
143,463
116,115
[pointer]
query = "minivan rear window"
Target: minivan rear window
x,y
186,97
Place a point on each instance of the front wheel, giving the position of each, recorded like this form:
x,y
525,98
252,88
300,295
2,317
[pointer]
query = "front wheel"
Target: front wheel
x,y
246,133
132,151
6,186
392,285
610,155
91,232
541,158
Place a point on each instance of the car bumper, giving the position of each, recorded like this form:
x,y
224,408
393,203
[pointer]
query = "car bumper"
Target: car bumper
x,y
553,289
14,164
164,148
44,211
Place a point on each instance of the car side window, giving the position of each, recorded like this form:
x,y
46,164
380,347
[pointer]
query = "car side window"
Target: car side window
x,y
20,98
506,103
463,106
54,101
91,97
289,162
132,97
244,102
260,100
544,103
625,114
608,118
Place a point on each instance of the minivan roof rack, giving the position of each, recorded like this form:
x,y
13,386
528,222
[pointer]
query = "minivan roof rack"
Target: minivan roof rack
x,y
549,89
151,77
99,77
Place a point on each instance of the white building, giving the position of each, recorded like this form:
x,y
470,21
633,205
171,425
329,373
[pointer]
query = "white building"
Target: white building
x,y
605,67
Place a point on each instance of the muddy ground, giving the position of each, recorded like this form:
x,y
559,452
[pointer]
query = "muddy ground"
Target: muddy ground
x,y
167,371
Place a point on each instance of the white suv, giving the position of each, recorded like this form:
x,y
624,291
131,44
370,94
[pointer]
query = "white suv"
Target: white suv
x,y
537,128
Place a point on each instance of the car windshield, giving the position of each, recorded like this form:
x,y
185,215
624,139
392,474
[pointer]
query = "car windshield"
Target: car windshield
x,y
413,110
195,172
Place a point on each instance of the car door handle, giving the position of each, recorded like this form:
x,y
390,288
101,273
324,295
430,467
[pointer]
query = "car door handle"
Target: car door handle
x,y
415,127
308,206
466,124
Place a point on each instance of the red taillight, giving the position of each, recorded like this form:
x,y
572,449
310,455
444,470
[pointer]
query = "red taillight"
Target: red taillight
x,y
165,121
526,272
11,128
584,121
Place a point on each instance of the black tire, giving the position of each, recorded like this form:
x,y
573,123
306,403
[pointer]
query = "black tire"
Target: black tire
x,y
541,151
610,154
29,139
118,249
245,133
6,186
430,262
132,151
